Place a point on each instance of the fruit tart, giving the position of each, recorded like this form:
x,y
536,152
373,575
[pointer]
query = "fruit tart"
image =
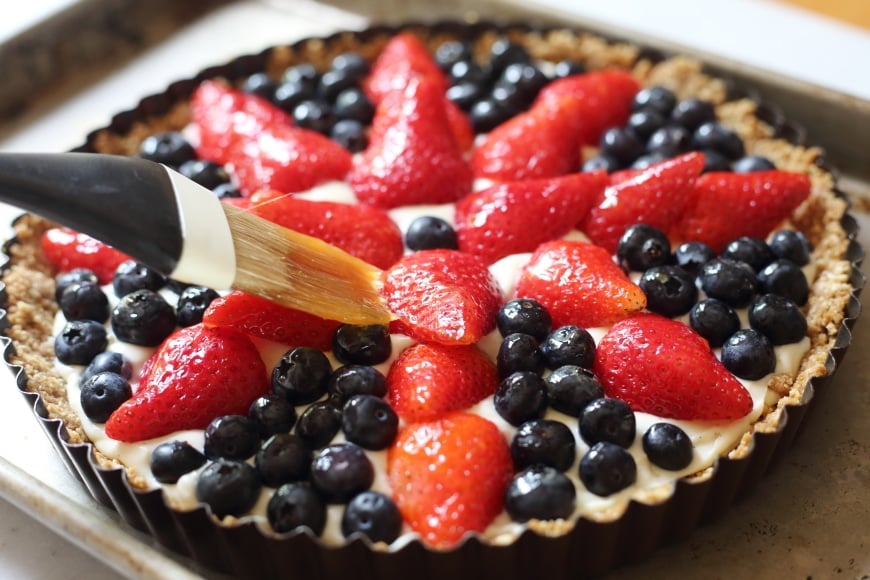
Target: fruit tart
x,y
612,280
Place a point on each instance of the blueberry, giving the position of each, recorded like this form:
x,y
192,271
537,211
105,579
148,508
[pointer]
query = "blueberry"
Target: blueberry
x,y
318,424
373,515
304,74
272,414
487,114
350,380
752,163
290,94
341,471
260,84
171,460
601,163
526,77
228,487
84,301
521,397
668,446
467,71
540,492
791,245
108,362
621,144
570,388
691,256
169,148
714,320
692,113
657,98
231,437
778,318
430,232
508,98
648,160
350,134
192,303
670,290
519,352
608,420
464,95
752,251
526,316
283,458
545,442
607,468
206,173
131,276
353,104
75,276
567,68
503,52
715,161
785,278
143,317
334,81
749,354
369,421
102,393
80,341
315,116
731,282
294,506
642,247
452,51
670,141
645,122
301,375
715,137
362,344
568,345
352,63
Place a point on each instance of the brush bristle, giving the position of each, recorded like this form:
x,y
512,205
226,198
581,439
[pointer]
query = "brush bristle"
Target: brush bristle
x,y
303,272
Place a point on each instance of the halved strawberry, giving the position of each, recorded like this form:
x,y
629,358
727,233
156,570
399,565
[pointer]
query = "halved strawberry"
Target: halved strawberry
x,y
264,319
403,58
663,367
448,477
364,231
442,296
725,206
67,249
655,196
428,381
514,217
579,284
197,374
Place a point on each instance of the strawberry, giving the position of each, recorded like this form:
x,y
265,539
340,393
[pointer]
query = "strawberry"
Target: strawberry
x,y
579,284
428,381
725,206
67,249
663,367
514,217
655,196
403,58
534,144
605,95
442,296
259,317
197,374
412,157
448,477
364,231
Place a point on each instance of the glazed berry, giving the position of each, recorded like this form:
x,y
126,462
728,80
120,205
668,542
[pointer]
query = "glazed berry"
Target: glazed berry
x,y
670,290
350,134
80,341
692,113
670,141
540,492
260,84
272,414
621,144
333,82
601,163
526,77
131,276
607,419
715,161
521,397
373,515
169,148
647,160
318,424
715,137
352,63
108,362
452,51
301,375
714,320
508,99
668,446
102,393
644,123
290,94
369,422
752,251
294,506
519,352
353,104
570,388
752,163
341,471
691,256
785,278
749,354
467,71
282,458
526,316
206,173
486,114
304,74
791,245
231,437
78,275
171,460
732,282
642,247
84,301
350,380
228,487
568,345
659,99
429,233
143,317
464,95
192,304
504,52
315,116
567,68
362,344
607,468
545,442
778,318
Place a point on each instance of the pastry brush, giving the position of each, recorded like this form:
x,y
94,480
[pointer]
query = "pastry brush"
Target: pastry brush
x,y
179,228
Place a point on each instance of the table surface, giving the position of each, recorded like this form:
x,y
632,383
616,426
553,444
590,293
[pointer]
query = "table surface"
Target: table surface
x,y
808,518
